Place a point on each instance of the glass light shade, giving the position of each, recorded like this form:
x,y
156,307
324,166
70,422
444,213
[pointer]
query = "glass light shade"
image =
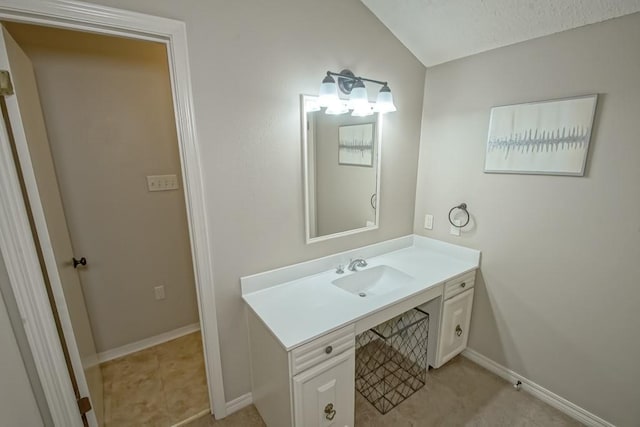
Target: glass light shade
x,y
328,94
359,98
363,111
311,105
337,108
384,102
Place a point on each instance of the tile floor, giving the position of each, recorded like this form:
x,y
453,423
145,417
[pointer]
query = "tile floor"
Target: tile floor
x,y
460,393
159,386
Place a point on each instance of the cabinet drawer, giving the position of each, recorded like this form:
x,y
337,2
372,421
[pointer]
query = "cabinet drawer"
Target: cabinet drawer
x,y
460,284
321,349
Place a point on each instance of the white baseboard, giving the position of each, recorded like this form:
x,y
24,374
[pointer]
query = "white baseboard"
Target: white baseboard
x,y
550,398
232,406
115,353
239,403
200,414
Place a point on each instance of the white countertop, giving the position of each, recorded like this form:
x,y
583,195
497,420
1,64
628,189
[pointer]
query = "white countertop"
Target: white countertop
x,y
300,310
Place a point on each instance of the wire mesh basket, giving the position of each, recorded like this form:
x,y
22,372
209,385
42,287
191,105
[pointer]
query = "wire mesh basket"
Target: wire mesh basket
x,y
391,359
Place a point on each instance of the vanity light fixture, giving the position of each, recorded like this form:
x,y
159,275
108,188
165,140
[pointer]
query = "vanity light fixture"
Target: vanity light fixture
x,y
358,97
311,105
328,95
362,112
384,102
337,108
358,102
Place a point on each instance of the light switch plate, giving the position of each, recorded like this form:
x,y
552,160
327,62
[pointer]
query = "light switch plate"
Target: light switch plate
x,y
162,182
159,292
428,222
455,230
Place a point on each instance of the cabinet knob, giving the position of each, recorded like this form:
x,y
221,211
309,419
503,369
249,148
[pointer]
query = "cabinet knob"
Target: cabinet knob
x,y
328,349
463,284
458,330
329,412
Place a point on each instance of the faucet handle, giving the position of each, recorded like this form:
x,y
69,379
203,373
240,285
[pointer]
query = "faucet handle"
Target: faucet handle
x,y
340,269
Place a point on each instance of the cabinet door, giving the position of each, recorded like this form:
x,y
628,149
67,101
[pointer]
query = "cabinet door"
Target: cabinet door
x,y
324,396
454,333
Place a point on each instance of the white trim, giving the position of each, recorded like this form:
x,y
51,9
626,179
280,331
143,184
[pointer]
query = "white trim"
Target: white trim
x,y
194,417
232,406
550,398
16,241
48,254
239,403
305,162
134,347
23,267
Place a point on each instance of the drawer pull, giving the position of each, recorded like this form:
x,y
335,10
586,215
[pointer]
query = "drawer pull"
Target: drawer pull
x,y
458,330
328,350
463,284
329,412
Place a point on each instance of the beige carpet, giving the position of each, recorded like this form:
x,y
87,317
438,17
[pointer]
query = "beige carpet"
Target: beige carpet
x,y
460,393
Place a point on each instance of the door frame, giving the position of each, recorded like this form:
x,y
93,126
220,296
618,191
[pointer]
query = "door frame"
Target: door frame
x,y
16,238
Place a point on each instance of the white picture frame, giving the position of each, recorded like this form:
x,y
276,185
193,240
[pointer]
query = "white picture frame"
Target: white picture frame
x,y
545,137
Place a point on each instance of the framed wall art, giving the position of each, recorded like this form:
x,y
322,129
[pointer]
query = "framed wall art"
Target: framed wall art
x,y
546,137
356,145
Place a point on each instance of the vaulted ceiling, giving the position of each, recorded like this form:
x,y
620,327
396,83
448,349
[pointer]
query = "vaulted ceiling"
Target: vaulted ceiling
x,y
438,31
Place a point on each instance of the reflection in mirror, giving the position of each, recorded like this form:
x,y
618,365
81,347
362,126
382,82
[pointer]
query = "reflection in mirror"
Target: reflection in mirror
x,y
342,171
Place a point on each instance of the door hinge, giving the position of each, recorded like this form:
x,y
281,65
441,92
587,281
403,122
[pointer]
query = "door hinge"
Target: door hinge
x,y
84,405
6,88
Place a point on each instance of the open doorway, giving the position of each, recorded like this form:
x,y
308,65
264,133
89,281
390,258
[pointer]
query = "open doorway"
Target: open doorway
x,y
108,111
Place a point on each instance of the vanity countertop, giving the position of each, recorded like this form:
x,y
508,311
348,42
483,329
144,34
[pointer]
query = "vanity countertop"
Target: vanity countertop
x,y
300,310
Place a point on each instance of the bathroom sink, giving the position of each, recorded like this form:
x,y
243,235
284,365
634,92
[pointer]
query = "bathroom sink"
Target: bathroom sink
x,y
373,281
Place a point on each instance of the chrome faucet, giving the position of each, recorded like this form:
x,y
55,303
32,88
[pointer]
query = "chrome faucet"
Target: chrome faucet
x,y
355,263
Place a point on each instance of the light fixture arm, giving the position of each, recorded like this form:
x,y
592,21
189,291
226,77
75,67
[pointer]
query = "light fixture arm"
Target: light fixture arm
x,y
346,79
354,78
353,85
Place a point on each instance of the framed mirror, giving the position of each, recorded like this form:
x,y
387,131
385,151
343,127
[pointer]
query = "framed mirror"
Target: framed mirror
x,y
341,163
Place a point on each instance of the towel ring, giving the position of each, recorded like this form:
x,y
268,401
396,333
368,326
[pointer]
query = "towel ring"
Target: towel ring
x,y
462,207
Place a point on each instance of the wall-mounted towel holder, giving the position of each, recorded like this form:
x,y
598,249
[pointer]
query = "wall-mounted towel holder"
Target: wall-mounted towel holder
x,y
462,207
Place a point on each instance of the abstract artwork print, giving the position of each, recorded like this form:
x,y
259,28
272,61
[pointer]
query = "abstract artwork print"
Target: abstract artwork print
x,y
548,137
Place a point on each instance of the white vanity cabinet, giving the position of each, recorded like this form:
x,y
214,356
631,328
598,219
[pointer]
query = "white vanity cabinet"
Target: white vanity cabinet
x,y
303,323
312,385
456,318
324,396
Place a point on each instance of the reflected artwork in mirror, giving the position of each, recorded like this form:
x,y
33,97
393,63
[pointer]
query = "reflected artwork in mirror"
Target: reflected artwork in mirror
x,y
341,162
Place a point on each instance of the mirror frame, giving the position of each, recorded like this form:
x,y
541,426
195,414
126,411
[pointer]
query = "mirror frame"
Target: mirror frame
x,y
305,173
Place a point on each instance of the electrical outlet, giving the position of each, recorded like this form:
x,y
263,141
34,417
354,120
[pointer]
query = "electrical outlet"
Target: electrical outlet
x,y
162,182
159,292
428,222
455,230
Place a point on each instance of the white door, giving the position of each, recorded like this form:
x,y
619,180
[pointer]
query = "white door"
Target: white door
x,y
454,333
324,396
26,122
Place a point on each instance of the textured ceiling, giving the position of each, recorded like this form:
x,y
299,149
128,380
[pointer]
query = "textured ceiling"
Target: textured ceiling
x,y
438,31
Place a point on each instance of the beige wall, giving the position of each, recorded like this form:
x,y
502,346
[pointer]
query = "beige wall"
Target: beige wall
x,y
18,407
558,296
250,61
343,192
108,111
